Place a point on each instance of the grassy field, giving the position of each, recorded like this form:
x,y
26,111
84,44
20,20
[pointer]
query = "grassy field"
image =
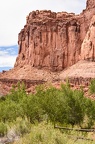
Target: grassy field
x,y
44,133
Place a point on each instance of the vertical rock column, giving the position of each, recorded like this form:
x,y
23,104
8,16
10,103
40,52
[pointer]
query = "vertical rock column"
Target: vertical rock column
x,y
88,45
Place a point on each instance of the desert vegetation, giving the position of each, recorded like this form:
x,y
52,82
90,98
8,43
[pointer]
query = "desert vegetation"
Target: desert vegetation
x,y
34,118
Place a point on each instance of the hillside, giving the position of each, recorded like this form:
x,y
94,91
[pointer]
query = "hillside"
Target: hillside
x,y
54,46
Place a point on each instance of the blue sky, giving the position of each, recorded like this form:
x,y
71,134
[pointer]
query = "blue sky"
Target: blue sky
x,y
8,56
13,18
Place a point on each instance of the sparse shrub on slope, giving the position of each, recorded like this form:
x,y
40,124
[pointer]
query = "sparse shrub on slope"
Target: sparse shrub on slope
x,y
92,86
17,93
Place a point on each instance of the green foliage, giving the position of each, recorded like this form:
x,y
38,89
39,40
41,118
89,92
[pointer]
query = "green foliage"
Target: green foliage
x,y
3,129
92,86
44,133
74,105
32,109
22,126
10,107
52,103
17,93
64,106
90,113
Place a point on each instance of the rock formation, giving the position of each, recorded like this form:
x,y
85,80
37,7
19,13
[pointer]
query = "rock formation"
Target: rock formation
x,y
46,40
53,40
90,4
88,45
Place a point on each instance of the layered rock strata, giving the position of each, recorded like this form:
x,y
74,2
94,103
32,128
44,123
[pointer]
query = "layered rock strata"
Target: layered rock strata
x,y
88,45
46,40
53,40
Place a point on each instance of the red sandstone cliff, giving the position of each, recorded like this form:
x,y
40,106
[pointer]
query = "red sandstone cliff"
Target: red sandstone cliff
x,y
88,45
46,40
53,40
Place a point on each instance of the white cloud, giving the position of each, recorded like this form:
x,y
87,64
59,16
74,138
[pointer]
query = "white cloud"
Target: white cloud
x,y
7,61
3,53
8,56
13,14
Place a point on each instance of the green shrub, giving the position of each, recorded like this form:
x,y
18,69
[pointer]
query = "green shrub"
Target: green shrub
x,y
74,102
90,113
17,93
3,129
92,86
46,134
63,106
32,109
43,134
22,126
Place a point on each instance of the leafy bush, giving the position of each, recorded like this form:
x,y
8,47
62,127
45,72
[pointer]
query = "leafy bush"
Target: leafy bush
x,y
3,129
9,111
92,86
32,109
90,113
63,106
17,93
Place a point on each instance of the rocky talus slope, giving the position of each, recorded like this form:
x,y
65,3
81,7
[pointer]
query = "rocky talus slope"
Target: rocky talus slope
x,y
54,46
